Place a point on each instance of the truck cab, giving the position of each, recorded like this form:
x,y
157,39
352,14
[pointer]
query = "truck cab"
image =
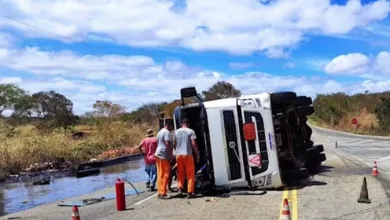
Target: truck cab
x,y
258,141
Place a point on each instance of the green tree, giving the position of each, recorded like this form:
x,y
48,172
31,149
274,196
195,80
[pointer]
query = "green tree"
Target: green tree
x,y
221,90
147,113
24,107
10,95
54,109
107,109
383,113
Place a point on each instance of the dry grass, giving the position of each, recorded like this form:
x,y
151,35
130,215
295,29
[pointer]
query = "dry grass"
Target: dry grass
x,y
23,146
368,123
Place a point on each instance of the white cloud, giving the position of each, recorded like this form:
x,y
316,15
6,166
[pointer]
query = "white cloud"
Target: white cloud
x,y
360,65
382,63
134,80
106,67
8,80
353,63
236,65
239,27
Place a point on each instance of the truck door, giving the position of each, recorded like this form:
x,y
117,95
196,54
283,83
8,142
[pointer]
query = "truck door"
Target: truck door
x,y
254,142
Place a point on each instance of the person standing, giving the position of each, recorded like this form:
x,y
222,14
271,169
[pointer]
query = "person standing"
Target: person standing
x,y
149,144
185,145
163,157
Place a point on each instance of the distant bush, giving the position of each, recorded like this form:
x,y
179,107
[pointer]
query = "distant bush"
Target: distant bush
x,y
383,113
337,110
28,146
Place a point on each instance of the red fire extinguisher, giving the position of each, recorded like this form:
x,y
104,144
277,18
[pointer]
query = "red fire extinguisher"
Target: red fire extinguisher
x,y
120,195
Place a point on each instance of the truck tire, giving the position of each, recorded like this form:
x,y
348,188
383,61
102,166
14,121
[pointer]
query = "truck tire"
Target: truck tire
x,y
309,131
305,111
315,150
303,120
280,98
309,143
314,162
292,176
303,100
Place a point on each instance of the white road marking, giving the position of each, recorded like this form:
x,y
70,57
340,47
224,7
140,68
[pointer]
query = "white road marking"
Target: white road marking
x,y
148,198
384,158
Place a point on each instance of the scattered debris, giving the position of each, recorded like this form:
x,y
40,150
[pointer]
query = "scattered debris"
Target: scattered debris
x,y
53,166
212,199
114,153
44,181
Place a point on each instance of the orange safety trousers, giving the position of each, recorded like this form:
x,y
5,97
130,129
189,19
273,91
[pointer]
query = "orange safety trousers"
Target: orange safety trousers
x,y
185,167
163,171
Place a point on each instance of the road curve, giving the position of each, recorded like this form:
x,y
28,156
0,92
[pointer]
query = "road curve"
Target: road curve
x,y
365,148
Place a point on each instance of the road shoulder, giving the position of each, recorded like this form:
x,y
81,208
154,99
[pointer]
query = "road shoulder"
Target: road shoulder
x,y
340,186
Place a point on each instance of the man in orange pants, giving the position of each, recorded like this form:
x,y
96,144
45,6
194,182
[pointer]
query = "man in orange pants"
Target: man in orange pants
x,y
185,142
163,156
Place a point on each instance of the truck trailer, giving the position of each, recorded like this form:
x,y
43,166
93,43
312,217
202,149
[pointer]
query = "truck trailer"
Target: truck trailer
x,y
259,141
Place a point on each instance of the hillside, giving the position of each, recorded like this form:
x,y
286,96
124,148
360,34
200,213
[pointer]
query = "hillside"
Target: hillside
x,y
336,111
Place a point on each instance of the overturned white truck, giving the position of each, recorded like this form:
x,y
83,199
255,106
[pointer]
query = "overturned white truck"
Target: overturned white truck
x,y
260,141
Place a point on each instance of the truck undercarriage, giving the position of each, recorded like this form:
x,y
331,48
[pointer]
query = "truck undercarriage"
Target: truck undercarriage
x,y
298,156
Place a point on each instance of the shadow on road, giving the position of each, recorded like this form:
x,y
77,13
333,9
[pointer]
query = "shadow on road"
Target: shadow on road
x,y
324,169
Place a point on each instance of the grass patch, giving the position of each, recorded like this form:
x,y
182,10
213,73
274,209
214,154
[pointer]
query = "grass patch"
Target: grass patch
x,y
368,123
23,146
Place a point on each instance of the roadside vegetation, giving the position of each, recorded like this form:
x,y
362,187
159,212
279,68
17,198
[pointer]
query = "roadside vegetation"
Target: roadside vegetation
x,y
43,128
337,110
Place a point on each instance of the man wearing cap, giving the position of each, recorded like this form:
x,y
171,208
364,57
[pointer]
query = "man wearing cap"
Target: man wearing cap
x,y
164,155
149,144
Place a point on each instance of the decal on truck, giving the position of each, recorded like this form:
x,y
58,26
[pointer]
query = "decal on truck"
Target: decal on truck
x,y
271,140
255,160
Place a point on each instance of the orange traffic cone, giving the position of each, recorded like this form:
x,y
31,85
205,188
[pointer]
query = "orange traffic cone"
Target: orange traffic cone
x,y
375,169
75,213
285,211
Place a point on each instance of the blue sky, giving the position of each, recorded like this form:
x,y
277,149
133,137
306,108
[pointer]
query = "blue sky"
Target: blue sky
x,y
138,51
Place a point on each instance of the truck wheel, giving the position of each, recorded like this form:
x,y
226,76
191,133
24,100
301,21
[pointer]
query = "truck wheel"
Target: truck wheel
x,y
309,143
280,98
292,176
305,110
309,131
316,149
303,100
314,162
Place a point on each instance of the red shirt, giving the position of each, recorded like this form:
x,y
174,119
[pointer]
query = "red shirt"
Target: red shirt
x,y
150,146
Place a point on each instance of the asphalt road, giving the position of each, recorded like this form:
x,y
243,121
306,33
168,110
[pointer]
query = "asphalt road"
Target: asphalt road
x,y
365,148
331,194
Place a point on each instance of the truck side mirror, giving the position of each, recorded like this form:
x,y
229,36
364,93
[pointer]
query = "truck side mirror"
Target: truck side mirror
x,y
249,131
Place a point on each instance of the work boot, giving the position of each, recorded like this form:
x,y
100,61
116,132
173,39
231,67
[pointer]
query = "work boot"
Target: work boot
x,y
191,195
147,185
181,192
165,196
152,189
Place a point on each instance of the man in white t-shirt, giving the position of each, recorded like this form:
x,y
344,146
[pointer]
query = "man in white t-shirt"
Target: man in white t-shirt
x,y
185,144
163,157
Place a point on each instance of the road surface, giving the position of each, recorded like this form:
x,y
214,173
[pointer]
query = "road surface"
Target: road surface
x,y
332,194
365,148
